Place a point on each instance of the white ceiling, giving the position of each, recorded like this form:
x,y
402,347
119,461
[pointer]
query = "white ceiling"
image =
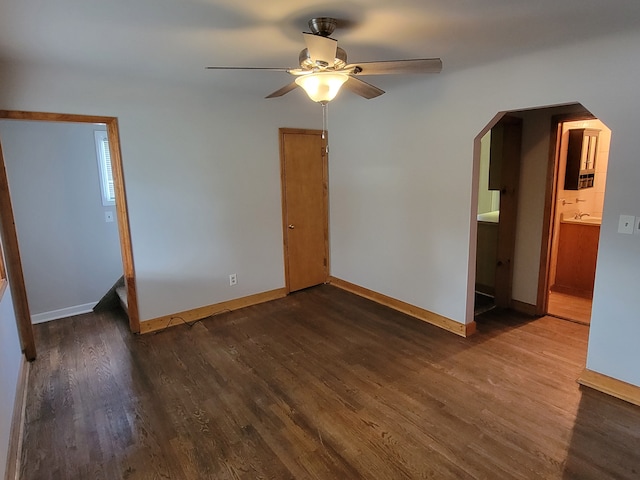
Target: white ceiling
x,y
173,40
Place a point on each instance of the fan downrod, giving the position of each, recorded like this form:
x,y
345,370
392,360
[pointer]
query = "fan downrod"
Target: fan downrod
x,y
323,26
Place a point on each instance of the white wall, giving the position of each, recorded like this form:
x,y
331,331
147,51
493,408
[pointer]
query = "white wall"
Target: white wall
x,y
202,174
70,255
10,359
401,182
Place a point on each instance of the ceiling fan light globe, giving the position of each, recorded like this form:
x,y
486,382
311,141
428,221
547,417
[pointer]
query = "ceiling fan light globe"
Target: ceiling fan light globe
x,y
322,87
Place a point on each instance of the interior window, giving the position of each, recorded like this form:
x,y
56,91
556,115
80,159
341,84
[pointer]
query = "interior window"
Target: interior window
x,y
104,167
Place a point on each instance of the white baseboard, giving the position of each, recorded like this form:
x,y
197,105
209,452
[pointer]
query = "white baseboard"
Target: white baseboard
x,y
62,313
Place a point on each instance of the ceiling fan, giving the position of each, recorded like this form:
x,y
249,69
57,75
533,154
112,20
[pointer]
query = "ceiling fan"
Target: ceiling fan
x,y
324,69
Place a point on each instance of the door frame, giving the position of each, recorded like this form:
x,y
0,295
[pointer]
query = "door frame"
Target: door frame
x,y
555,136
325,180
9,234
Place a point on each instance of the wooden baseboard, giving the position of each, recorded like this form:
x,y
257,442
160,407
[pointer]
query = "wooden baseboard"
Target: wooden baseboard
x,y
576,292
523,307
611,386
190,316
14,452
417,312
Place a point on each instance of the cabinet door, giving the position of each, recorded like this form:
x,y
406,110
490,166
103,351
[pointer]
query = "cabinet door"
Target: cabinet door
x,y
582,151
577,255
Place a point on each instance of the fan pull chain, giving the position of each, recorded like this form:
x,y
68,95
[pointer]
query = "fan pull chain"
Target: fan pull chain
x,y
325,126
325,119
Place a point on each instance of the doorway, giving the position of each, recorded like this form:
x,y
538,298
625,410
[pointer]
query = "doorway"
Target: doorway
x,y
581,159
12,251
304,207
497,211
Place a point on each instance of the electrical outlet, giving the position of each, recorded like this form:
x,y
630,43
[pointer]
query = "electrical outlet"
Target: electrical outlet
x,y
626,224
233,279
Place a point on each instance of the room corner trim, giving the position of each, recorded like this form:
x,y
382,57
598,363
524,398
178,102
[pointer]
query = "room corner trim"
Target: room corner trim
x,y
461,329
16,434
196,314
611,386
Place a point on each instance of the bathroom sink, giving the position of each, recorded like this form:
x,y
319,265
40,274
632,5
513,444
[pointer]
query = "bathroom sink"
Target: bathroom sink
x,y
596,220
584,220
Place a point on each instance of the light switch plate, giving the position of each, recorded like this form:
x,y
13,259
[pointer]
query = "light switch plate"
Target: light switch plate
x,y
637,226
626,224
108,216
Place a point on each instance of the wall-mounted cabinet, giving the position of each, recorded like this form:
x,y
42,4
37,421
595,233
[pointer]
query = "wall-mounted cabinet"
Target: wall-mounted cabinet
x,y
582,155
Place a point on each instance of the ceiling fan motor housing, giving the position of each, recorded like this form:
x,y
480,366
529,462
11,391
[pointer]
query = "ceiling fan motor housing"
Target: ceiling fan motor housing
x,y
323,26
307,64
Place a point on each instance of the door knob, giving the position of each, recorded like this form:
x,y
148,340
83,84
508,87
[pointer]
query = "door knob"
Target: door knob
x,y
291,227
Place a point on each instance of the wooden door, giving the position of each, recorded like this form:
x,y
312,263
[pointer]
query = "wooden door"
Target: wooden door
x,y
506,139
304,205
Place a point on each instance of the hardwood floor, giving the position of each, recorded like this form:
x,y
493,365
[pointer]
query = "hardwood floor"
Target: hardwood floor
x,y
570,307
321,384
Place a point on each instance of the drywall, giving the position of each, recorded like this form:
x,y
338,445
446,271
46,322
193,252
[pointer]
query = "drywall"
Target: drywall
x,y
401,183
70,255
202,175
10,360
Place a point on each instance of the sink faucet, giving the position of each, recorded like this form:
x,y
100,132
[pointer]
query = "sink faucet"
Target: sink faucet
x,y
580,215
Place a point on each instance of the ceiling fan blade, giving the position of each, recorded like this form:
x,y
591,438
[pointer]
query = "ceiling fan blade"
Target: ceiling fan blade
x,y
284,90
391,67
362,88
321,49
272,69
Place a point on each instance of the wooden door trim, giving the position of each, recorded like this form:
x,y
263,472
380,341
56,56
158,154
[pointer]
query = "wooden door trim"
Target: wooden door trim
x,y
14,271
553,164
325,173
16,278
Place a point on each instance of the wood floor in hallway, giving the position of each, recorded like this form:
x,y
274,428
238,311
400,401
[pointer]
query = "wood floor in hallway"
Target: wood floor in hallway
x,y
570,307
321,384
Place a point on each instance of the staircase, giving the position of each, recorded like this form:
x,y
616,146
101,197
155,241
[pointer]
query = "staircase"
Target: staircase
x,y
121,292
117,295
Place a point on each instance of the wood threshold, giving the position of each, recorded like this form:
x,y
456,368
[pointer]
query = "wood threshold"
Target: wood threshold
x,y
611,386
463,330
16,433
190,316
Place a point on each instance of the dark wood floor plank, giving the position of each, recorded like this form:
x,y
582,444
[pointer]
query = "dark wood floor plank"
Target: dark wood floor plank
x,y
321,385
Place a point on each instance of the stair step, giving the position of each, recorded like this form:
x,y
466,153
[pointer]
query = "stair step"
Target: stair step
x,y
121,291
110,300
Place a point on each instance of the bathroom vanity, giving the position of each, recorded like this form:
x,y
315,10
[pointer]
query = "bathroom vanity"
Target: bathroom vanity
x,y
577,255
